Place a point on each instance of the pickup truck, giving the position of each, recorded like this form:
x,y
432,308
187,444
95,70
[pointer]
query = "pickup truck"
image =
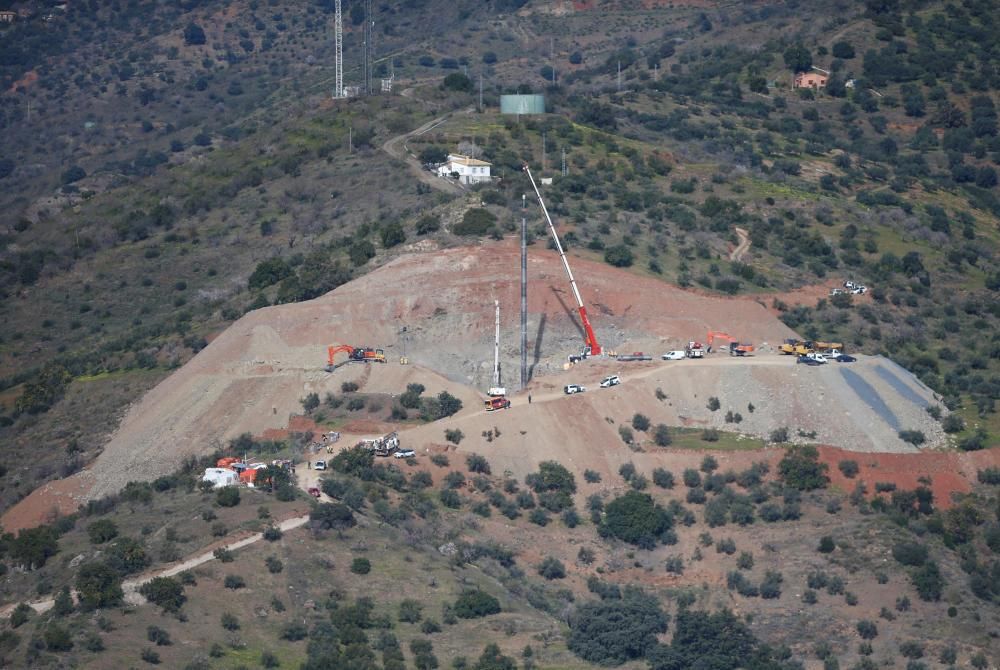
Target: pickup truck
x,y
570,389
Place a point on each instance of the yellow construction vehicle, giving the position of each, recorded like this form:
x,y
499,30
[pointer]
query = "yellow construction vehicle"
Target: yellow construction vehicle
x,y
796,347
827,347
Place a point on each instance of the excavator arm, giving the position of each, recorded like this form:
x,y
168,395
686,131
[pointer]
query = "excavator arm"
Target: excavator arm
x,y
333,350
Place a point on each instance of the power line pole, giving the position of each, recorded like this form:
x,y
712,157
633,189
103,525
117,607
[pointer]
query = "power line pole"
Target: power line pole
x,y
619,76
564,170
552,59
480,91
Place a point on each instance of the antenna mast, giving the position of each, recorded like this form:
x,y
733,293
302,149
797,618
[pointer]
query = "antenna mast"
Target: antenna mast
x,y
592,348
338,58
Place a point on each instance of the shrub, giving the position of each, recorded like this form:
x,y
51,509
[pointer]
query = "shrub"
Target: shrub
x,y
150,656
98,585
800,469
635,518
274,564
551,568
335,516
361,566
725,546
661,435
709,465
20,615
224,555
613,631
714,404
234,582
692,478
867,629
928,581
640,422
826,545
914,437
272,533
619,256
848,468
478,464
228,496
410,611
593,477
166,592
779,435
663,478
57,638
472,604
953,423
539,517
159,636
475,222
626,434
910,553
102,530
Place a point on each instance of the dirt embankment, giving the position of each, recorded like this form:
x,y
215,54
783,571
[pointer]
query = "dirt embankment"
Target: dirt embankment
x,y
252,377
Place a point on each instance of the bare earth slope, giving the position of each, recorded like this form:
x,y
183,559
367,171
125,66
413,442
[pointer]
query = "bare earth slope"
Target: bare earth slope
x,y
252,377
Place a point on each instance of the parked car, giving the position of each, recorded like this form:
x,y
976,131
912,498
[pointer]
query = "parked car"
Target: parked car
x,y
313,491
819,358
805,360
570,389
613,380
319,465
405,453
844,358
674,356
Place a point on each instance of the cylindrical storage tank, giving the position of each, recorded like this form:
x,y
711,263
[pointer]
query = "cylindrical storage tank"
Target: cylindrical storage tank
x,y
522,104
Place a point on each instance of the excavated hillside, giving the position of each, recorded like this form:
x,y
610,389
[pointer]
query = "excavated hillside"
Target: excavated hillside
x,y
252,377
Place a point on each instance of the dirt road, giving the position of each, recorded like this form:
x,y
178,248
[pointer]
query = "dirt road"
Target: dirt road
x,y
396,147
131,586
742,248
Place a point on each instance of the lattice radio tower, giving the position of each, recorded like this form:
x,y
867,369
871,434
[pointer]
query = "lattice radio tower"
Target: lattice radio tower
x,y
338,58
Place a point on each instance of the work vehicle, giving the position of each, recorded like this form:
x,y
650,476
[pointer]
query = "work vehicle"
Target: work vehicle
x,y
844,358
313,491
818,357
354,355
674,356
381,446
828,347
591,347
694,350
570,389
495,403
319,465
406,453
608,382
795,347
736,348
805,360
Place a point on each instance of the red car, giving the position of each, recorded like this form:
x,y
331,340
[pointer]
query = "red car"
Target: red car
x,y
313,491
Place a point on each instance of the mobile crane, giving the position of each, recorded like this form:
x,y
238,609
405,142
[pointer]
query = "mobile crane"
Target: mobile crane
x,y
591,346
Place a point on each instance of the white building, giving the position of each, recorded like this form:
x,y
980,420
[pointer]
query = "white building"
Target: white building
x,y
221,477
468,170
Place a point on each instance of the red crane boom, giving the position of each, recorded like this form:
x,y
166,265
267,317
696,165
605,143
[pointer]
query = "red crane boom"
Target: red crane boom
x,y
592,347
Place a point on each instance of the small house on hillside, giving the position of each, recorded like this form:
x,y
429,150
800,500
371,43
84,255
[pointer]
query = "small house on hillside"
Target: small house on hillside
x,y
221,477
465,169
7,17
813,80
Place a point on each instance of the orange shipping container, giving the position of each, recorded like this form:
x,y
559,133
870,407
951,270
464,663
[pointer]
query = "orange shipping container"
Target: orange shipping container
x,y
248,476
226,462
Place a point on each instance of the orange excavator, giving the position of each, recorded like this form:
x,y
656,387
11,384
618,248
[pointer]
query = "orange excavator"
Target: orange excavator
x,y
735,347
354,355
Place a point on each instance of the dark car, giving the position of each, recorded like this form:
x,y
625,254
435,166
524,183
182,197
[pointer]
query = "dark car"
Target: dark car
x,y
844,358
807,361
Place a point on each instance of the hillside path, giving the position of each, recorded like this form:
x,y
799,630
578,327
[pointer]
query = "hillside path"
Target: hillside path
x,y
396,147
131,586
741,249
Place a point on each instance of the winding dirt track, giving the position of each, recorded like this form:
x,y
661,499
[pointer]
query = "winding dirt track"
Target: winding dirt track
x,y
131,586
396,147
742,248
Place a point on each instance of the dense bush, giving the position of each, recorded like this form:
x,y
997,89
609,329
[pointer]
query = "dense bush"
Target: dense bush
x,y
611,632
551,568
710,641
102,530
98,585
800,468
228,496
635,518
910,553
166,592
476,221
472,604
849,468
